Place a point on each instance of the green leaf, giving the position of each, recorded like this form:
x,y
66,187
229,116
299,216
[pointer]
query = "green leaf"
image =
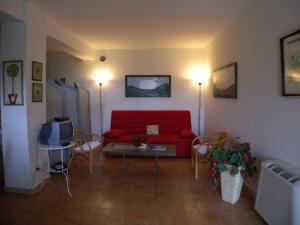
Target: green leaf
x,y
234,170
222,167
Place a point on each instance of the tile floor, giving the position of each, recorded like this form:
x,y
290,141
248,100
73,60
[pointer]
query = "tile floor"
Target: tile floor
x,y
134,196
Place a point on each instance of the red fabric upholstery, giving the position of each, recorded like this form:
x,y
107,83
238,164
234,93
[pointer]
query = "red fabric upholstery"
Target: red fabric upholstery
x,y
187,134
114,133
171,124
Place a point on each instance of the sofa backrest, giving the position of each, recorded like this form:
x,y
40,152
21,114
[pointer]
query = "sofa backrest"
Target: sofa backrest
x,y
135,121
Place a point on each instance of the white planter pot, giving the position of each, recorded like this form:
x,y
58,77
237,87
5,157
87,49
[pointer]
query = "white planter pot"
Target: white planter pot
x,y
231,186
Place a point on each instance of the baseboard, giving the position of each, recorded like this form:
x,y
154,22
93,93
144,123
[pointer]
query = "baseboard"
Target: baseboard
x,y
26,191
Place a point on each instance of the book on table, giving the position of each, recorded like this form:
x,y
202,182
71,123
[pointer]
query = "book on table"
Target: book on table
x,y
158,148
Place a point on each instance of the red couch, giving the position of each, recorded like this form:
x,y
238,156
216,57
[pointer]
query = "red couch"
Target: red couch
x,y
174,128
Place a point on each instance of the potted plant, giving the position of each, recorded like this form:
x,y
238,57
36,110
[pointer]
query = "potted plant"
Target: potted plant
x,y
228,168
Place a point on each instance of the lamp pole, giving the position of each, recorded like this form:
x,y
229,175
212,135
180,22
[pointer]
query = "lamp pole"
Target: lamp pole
x,y
199,110
101,113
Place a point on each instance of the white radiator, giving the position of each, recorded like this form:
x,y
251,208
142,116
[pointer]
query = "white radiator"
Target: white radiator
x,y
278,194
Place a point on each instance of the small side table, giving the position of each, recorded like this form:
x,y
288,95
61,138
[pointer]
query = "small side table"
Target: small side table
x,y
61,156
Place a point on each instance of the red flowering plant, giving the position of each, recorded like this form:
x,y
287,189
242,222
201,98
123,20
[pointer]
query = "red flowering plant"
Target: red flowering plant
x,y
137,140
238,156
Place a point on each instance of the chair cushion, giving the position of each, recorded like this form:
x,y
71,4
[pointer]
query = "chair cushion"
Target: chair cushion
x,y
186,133
88,146
114,133
202,149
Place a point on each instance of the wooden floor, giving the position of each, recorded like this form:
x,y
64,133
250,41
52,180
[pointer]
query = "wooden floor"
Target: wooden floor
x,y
114,195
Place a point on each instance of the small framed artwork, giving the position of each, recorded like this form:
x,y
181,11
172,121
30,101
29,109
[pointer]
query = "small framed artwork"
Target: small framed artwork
x,y
225,81
13,82
290,64
148,86
37,92
37,71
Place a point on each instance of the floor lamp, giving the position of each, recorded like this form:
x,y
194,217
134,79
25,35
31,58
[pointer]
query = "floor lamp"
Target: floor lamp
x,y
101,113
199,110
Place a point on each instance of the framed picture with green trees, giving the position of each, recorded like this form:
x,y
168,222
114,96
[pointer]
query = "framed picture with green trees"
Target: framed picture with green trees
x,y
13,82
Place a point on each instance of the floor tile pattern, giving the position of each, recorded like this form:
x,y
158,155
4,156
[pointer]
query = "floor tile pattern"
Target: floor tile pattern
x,y
115,195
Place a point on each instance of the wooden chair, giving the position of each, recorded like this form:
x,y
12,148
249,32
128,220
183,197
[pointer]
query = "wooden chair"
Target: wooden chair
x,y
87,145
203,144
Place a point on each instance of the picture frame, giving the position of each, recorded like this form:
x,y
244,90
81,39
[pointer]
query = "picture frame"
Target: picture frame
x,y
37,92
37,71
148,86
290,64
225,81
13,83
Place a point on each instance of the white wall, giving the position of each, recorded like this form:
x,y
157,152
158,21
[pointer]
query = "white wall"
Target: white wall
x,y
140,62
13,8
260,115
26,40
17,166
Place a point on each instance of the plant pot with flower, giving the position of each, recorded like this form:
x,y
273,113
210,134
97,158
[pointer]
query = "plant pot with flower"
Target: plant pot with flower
x,y
229,167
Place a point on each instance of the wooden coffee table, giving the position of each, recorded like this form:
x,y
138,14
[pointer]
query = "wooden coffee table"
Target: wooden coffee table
x,y
153,150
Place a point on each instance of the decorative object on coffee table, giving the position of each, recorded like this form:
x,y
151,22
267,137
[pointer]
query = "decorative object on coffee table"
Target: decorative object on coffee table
x,y
13,82
225,81
37,71
147,86
290,64
229,167
137,140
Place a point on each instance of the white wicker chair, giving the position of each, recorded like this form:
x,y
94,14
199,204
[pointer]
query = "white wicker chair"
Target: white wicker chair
x,y
87,145
203,144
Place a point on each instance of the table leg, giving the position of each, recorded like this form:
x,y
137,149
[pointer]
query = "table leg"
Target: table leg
x,y
155,168
66,172
67,182
125,161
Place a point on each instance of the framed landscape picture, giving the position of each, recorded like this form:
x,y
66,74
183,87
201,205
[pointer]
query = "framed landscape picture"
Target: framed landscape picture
x,y
37,71
13,82
290,64
37,92
147,86
225,81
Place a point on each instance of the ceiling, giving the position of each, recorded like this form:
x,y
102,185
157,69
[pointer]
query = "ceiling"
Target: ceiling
x,y
140,24
54,45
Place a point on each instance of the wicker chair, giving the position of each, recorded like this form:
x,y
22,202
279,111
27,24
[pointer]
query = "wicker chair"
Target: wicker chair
x,y
87,145
203,144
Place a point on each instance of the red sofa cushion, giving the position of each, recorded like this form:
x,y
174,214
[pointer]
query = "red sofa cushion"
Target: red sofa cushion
x,y
114,133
